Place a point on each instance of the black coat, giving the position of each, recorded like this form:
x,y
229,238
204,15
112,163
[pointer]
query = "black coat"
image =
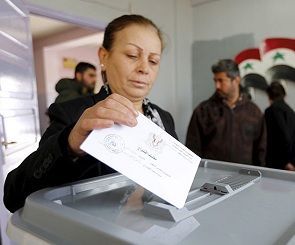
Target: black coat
x,y
51,164
280,122
219,132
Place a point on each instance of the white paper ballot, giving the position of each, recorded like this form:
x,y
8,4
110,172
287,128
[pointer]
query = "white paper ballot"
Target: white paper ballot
x,y
147,155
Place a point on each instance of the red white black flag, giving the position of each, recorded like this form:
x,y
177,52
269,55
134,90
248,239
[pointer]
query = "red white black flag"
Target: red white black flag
x,y
251,68
278,56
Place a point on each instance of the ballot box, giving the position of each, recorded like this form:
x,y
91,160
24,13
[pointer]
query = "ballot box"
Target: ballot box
x,y
228,204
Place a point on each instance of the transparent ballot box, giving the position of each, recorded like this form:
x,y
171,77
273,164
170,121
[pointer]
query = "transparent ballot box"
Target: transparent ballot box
x,y
228,204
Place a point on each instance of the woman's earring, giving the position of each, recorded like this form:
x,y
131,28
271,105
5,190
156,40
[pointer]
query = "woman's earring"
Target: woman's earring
x,y
102,67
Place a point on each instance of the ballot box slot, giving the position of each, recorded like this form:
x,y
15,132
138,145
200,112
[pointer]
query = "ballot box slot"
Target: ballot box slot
x,y
196,195
208,195
201,202
243,178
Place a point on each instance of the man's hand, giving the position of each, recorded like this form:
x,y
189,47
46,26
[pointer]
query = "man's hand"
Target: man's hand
x,y
289,166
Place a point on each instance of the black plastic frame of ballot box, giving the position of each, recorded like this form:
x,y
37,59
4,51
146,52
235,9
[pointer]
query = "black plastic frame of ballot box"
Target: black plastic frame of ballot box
x,y
219,188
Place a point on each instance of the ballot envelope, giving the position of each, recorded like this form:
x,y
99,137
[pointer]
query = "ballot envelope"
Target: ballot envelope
x,y
228,204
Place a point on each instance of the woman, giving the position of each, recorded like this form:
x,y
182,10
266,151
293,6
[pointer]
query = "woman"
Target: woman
x,y
280,123
130,59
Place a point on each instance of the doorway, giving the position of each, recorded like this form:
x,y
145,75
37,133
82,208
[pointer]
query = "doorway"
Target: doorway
x,y
57,48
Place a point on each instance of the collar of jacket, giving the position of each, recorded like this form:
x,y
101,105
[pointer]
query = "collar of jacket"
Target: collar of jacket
x,y
279,102
68,84
217,98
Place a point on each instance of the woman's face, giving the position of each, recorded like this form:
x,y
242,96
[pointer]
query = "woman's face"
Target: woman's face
x,y
133,62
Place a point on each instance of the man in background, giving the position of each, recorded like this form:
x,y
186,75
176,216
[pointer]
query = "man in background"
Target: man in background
x,y
81,85
228,126
280,124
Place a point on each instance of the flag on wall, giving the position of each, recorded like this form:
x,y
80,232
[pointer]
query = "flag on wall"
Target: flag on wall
x,y
251,68
278,56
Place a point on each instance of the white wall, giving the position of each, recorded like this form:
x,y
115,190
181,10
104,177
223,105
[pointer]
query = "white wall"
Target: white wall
x,y
224,19
263,18
172,90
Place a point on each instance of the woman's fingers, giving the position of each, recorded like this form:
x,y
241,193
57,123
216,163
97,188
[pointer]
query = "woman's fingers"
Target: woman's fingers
x,y
125,102
114,109
116,116
81,131
88,124
117,106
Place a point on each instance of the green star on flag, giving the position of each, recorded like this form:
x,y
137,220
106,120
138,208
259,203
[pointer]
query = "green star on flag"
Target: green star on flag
x,y
248,66
278,56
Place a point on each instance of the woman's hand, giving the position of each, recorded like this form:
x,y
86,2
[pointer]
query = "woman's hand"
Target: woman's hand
x,y
114,109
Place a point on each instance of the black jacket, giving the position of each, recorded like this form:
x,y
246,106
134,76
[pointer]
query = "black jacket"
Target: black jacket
x,y
280,123
52,164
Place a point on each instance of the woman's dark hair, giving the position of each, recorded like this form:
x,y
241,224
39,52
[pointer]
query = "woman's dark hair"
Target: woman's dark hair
x,y
124,21
276,91
119,24
228,66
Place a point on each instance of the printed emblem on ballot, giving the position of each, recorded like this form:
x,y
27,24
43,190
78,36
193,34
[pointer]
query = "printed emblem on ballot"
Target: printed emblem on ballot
x,y
114,143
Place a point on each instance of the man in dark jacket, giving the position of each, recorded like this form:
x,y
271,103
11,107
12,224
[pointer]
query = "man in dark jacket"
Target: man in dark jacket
x,y
280,122
82,84
228,126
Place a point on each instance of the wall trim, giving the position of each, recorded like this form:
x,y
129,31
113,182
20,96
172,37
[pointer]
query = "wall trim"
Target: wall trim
x,y
64,16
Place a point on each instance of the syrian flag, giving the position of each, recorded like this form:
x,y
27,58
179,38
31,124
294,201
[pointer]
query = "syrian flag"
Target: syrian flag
x,y
251,69
278,56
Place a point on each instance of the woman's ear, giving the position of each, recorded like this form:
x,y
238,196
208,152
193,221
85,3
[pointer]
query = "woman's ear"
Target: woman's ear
x,y
103,56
